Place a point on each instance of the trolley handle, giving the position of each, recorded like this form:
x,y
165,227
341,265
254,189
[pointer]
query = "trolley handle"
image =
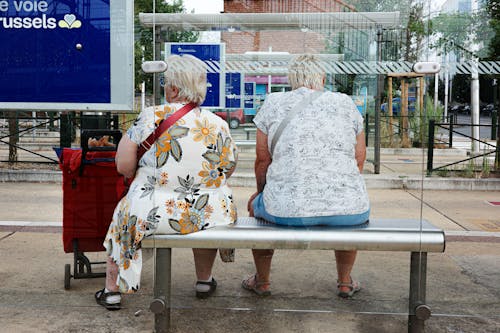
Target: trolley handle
x,y
98,133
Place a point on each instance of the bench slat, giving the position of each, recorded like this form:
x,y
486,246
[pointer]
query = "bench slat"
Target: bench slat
x,y
378,235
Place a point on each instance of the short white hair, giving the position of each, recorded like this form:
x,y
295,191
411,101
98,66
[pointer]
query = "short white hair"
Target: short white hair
x,y
189,75
305,71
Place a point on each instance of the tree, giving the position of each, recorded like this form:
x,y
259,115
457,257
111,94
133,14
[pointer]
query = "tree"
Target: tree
x,y
459,32
379,6
412,18
143,45
493,48
415,31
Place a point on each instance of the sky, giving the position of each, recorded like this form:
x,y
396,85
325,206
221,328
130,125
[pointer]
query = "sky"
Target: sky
x,y
216,6
204,6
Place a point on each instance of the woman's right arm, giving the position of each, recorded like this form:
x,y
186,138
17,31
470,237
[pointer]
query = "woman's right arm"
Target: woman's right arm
x,y
126,157
262,162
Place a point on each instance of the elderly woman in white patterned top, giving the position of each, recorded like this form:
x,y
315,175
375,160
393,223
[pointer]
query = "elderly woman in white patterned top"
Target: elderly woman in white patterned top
x,y
179,185
313,175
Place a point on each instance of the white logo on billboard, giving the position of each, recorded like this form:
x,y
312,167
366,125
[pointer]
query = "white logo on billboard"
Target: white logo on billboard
x,y
70,22
29,22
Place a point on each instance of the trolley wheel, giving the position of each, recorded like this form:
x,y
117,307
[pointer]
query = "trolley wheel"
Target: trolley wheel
x,y
67,276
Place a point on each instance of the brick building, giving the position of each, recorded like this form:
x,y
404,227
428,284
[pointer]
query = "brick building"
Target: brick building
x,y
292,41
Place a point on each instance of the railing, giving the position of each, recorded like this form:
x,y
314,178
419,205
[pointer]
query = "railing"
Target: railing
x,y
15,127
433,125
20,132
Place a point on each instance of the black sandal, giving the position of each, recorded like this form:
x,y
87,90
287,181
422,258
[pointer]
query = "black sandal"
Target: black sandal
x,y
206,294
101,299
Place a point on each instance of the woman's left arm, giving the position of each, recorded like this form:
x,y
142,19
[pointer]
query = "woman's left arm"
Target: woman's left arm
x,y
360,151
126,157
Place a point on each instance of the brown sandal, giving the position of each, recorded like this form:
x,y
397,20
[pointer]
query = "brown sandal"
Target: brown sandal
x,y
252,284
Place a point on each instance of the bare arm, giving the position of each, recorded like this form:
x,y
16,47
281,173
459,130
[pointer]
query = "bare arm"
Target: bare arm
x,y
262,162
360,151
126,157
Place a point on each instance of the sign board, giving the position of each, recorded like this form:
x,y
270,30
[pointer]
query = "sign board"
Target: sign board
x,y
234,90
66,55
214,56
250,95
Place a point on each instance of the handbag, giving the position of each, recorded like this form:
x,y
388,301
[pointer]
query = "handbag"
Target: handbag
x,y
150,140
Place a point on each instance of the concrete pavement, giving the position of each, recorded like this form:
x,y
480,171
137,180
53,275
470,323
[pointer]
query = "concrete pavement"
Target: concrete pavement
x,y
463,284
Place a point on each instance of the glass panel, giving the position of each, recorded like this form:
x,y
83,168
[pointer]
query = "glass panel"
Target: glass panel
x,y
367,51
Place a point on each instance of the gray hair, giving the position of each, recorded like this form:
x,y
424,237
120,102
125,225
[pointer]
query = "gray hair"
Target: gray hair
x,y
189,75
305,71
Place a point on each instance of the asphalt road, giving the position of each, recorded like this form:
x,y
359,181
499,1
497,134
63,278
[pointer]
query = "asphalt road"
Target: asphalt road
x,y
463,126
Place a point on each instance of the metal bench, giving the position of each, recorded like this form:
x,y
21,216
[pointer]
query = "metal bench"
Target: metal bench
x,y
250,130
410,235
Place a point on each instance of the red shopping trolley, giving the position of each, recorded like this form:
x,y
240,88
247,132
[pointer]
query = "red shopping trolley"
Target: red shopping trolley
x,y
91,188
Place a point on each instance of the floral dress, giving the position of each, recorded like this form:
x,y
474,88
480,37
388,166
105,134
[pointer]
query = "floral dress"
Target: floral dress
x,y
179,187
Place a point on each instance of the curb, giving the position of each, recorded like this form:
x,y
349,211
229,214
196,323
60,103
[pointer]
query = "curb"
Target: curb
x,y
409,182
30,176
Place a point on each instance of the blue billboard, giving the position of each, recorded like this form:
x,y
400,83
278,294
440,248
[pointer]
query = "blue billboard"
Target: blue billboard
x,y
59,52
250,95
213,55
234,90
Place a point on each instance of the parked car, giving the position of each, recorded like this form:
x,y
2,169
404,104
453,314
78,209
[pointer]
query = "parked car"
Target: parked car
x,y
236,116
459,108
396,105
487,109
455,108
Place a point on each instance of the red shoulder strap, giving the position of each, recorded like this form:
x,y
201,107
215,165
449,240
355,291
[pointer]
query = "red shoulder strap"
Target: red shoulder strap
x,y
164,125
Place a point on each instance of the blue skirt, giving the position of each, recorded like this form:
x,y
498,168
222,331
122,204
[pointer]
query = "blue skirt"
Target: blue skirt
x,y
335,220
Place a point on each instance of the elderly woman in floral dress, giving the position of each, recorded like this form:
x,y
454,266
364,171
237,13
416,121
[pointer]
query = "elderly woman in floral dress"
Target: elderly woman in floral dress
x,y
179,185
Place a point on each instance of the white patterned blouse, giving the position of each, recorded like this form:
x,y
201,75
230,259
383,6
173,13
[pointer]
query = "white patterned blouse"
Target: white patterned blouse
x,y
313,170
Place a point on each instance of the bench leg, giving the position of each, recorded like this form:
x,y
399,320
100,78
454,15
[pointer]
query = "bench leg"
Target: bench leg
x,y
418,311
160,306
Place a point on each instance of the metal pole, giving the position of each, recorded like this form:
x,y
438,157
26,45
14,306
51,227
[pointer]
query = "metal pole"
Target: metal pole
x,y
418,311
430,146
436,86
160,306
494,120
446,87
497,153
450,140
65,130
497,126
367,128
143,85
157,46
380,87
474,108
